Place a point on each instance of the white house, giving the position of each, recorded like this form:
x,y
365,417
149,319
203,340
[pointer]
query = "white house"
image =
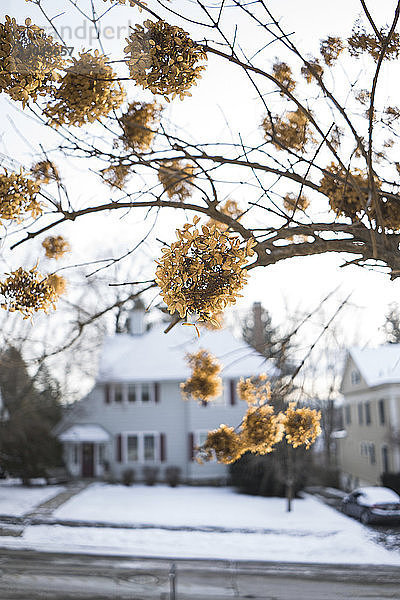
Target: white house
x,y
135,415
366,447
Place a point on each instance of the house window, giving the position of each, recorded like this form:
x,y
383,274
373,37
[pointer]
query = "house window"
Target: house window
x,y
142,446
385,459
363,449
131,393
200,437
145,392
132,446
149,447
347,414
118,393
355,377
381,411
372,457
367,413
360,413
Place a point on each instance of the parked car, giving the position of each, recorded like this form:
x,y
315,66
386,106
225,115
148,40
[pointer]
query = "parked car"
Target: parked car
x,y
372,505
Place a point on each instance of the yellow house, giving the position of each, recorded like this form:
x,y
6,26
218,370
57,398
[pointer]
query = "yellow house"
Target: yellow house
x,y
367,446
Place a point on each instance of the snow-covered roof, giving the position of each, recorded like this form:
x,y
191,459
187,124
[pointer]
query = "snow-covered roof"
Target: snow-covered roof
x,y
378,365
84,433
159,356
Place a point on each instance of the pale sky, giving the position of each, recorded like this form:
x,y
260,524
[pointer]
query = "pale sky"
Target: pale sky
x,y
299,283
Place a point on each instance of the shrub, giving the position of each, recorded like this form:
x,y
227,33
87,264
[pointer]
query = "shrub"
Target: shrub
x,y
128,477
150,475
173,476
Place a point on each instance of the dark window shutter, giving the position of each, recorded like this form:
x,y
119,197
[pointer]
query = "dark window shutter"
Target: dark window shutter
x,y
107,394
163,449
191,446
232,391
156,391
119,448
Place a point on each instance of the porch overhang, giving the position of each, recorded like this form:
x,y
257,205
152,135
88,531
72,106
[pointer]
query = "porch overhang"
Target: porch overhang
x,y
85,433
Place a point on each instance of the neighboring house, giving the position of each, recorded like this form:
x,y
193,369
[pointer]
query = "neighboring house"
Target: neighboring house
x,y
135,415
366,447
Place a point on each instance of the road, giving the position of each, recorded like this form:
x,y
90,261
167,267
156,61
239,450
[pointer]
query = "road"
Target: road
x,y
30,575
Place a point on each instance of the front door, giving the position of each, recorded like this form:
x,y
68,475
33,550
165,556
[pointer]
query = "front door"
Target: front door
x,y
87,459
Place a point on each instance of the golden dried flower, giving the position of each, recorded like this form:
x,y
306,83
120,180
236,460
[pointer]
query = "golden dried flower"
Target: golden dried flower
x,y
176,178
293,202
261,429
254,390
205,382
28,292
45,171
283,73
57,283
343,192
138,124
223,443
292,131
361,42
56,247
18,197
131,2
312,70
162,58
302,425
29,60
231,209
87,92
330,49
203,271
116,175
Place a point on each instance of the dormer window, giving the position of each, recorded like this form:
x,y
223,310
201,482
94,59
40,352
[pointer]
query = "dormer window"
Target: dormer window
x,y
355,377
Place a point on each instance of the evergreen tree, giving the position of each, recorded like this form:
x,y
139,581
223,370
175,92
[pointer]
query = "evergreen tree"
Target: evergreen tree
x,y
27,447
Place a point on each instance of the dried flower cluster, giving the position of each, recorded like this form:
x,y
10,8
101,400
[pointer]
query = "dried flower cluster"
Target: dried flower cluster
x,y
57,283
56,246
293,202
261,428
283,73
346,192
203,271
176,178
361,42
205,382
302,425
29,60
87,92
138,124
45,171
292,131
29,292
254,390
312,70
223,443
18,196
231,209
163,59
330,49
116,175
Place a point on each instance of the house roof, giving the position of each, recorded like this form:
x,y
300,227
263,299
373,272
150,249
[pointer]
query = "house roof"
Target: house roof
x,y
159,356
378,365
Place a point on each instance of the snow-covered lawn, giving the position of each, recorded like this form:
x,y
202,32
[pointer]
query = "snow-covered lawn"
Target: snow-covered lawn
x,y
17,500
313,532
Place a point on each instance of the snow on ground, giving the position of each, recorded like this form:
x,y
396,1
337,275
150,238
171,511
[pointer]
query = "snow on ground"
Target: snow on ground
x,y
18,500
313,532
196,507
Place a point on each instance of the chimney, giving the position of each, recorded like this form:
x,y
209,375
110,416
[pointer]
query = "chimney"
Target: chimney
x,y
135,319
